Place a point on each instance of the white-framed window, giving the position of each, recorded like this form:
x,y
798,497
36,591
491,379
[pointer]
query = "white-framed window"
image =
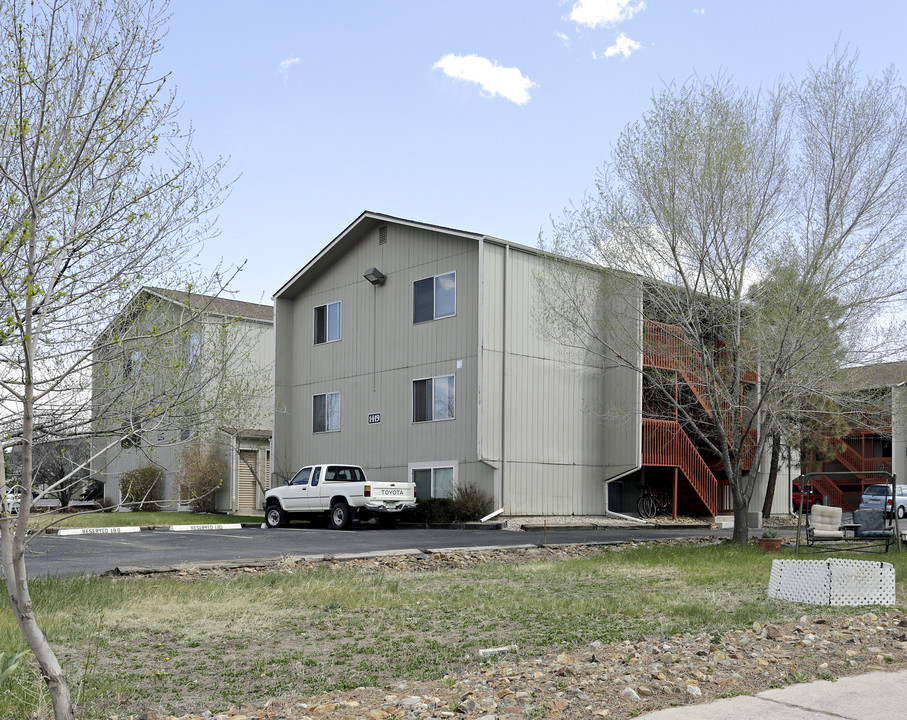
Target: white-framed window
x,y
133,364
435,297
434,398
327,323
434,479
326,412
193,347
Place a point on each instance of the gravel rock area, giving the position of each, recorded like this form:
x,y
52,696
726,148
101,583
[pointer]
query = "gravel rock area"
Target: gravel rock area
x,y
617,680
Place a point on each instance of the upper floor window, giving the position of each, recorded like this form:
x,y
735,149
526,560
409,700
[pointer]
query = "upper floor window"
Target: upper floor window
x,y
133,363
193,347
326,412
327,323
433,399
435,297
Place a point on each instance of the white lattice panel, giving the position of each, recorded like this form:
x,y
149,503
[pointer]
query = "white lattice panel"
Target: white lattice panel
x,y
832,582
803,581
861,582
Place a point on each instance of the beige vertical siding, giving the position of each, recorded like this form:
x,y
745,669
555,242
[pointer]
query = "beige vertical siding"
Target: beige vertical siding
x,y
545,408
380,353
245,349
527,410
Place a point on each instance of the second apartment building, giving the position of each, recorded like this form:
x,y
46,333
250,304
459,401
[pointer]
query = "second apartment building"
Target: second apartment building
x,y
433,368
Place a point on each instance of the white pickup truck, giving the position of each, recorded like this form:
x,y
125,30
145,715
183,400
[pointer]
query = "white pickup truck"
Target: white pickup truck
x,y
341,492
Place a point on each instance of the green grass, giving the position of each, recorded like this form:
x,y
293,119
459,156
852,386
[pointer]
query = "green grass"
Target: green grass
x,y
129,519
206,643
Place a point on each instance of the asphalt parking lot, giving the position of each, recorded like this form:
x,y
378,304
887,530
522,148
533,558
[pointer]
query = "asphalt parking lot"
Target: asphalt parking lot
x,y
62,555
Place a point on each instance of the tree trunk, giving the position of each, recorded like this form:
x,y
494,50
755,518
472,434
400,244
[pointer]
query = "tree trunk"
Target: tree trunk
x,y
12,543
772,476
742,491
741,522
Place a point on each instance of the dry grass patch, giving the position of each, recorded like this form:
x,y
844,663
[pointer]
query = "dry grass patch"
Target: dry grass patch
x,y
194,643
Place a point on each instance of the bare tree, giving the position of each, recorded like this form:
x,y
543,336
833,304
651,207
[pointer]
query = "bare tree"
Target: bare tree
x,y
712,190
101,193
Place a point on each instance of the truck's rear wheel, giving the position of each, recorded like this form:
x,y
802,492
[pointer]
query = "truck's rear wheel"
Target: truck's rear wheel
x,y
275,516
340,515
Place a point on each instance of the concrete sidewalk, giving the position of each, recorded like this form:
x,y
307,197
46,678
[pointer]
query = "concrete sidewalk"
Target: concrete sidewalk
x,y
874,696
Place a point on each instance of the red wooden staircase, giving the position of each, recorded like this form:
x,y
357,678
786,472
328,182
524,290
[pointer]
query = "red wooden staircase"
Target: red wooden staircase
x,y
665,444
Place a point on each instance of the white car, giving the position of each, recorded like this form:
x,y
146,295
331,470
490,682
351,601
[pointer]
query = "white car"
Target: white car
x,y
879,497
13,498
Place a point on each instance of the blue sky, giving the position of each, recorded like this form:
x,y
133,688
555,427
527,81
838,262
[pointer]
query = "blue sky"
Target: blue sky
x,y
483,115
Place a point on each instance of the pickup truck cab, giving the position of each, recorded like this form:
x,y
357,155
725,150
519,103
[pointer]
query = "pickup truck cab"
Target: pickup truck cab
x,y
339,492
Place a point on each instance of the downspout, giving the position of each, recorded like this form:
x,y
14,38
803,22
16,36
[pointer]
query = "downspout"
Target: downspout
x,y
612,513
505,349
638,467
480,360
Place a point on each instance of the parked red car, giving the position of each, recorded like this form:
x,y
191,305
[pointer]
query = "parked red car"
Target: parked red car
x,y
809,500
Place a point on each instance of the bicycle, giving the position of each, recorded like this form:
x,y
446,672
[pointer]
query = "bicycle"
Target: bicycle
x,y
653,502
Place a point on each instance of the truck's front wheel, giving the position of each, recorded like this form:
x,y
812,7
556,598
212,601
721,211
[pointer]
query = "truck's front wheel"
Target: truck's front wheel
x,y
340,515
275,516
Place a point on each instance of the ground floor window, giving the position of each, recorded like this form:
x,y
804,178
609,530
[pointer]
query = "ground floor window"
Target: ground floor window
x,y
434,482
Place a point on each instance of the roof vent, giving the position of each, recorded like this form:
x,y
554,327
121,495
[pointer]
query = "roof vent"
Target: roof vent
x,y
382,235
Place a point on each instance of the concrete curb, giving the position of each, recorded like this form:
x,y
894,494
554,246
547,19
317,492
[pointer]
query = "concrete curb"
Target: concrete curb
x,y
149,528
622,526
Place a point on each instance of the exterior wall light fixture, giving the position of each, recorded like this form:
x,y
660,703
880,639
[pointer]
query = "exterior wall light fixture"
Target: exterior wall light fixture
x,y
375,276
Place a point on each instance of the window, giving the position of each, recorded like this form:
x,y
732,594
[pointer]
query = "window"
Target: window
x,y
435,297
133,363
338,473
434,482
302,477
326,412
433,399
327,323
193,347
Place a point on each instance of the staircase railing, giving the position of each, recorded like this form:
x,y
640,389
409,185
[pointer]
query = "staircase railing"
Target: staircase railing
x,y
667,348
665,443
824,485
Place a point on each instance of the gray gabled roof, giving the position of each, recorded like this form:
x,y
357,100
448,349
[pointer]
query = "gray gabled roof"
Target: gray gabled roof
x,y
352,234
226,307
880,375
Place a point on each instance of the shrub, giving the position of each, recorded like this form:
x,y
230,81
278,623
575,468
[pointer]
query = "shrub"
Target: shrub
x,y
141,488
467,505
431,510
93,490
201,475
470,504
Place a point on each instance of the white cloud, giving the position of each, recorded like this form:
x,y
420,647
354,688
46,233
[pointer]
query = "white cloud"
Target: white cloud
x,y
563,38
509,83
622,46
286,64
602,13
698,11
